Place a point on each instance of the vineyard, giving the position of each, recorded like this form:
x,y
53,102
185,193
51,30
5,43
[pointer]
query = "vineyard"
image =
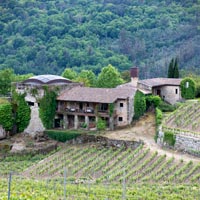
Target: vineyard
x,y
186,117
109,164
96,172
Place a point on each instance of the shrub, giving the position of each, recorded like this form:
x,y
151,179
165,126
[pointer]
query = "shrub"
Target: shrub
x,y
6,119
159,116
48,108
165,107
101,124
22,111
188,88
169,138
62,136
139,105
152,100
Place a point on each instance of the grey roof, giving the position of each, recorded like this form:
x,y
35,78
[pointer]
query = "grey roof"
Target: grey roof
x,y
160,82
46,79
95,95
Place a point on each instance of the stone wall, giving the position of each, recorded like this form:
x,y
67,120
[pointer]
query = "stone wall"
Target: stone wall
x,y
184,142
104,141
170,94
187,143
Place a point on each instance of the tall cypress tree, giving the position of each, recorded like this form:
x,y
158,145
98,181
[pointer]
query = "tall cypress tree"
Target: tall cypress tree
x,y
176,69
171,69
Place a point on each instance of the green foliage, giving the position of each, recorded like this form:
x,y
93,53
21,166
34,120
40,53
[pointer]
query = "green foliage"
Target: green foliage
x,y
101,124
173,69
62,136
111,109
188,88
165,107
69,74
109,77
176,68
126,76
88,76
6,116
169,138
22,111
47,108
5,81
159,116
152,100
139,105
92,34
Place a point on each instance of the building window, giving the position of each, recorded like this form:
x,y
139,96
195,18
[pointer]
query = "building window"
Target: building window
x,y
103,107
88,104
176,91
187,84
121,105
120,119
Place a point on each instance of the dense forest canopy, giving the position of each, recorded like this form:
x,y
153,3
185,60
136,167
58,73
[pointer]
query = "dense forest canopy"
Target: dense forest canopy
x,y
47,36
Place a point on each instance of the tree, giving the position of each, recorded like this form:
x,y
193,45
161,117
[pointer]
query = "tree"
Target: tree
x,y
173,69
176,68
48,108
21,111
109,77
126,76
5,81
88,77
69,74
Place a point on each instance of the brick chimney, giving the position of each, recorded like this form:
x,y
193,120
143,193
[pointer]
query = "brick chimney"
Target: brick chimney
x,y
134,72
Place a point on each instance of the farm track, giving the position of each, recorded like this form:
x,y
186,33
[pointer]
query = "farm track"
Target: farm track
x,y
144,130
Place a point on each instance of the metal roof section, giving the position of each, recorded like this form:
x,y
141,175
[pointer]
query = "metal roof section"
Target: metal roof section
x,y
46,79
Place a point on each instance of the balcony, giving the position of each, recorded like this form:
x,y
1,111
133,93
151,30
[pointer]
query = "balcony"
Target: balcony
x,y
86,111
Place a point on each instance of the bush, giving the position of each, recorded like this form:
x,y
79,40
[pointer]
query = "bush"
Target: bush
x,y
101,124
152,100
159,116
6,119
139,105
22,111
169,138
62,136
165,107
188,88
47,109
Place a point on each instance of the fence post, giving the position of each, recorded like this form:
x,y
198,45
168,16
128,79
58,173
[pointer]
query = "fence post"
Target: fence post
x,y
65,182
9,184
124,186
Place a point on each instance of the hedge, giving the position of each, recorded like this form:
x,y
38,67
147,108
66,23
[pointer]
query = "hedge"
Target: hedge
x,y
6,116
169,138
159,116
62,136
188,88
139,105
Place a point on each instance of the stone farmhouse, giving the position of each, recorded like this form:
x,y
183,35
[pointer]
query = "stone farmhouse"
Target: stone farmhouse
x,y
167,88
82,106
79,106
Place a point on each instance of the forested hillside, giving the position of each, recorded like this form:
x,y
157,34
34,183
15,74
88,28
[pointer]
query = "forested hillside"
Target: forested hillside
x,y
48,36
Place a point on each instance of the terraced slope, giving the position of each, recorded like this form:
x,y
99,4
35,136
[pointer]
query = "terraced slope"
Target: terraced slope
x,y
186,117
108,164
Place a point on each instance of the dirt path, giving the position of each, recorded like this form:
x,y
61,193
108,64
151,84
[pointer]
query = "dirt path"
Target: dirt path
x,y
144,130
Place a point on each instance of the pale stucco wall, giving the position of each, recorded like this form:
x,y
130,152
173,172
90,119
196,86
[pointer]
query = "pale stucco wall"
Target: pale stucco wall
x,y
170,94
